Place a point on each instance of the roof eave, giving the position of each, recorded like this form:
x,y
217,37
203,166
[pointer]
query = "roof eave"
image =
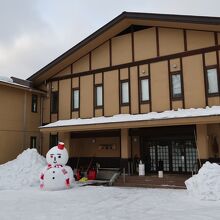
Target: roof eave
x,y
129,15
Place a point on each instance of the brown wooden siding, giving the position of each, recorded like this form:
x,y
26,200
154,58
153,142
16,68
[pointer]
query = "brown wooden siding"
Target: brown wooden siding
x,y
112,61
111,93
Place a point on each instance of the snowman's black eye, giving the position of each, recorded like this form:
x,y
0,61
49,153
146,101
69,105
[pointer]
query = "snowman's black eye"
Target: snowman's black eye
x,y
59,156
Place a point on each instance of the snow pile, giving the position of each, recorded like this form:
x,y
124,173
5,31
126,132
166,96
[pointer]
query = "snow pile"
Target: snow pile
x,y
6,79
23,171
206,184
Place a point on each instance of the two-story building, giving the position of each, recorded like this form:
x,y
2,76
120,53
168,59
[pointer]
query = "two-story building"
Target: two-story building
x,y
20,117
138,87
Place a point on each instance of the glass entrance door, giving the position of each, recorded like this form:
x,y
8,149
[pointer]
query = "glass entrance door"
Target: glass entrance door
x,y
175,155
156,153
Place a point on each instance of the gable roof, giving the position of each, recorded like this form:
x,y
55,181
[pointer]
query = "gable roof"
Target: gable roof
x,y
214,22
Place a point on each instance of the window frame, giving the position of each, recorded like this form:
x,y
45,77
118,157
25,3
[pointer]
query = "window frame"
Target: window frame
x,y
34,97
140,90
172,95
95,96
31,142
121,98
54,111
72,107
207,82
50,141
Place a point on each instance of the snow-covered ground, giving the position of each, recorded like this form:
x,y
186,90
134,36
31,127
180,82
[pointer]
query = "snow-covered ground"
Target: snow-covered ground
x,y
22,199
90,202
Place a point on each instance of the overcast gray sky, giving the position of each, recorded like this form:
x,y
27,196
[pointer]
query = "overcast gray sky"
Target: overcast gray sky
x,y
34,32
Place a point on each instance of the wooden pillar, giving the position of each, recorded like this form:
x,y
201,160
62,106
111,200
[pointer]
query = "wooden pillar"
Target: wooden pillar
x,y
202,142
125,148
45,146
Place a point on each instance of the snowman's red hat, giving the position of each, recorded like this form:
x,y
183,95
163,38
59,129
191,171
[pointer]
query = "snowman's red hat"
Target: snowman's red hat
x,y
60,145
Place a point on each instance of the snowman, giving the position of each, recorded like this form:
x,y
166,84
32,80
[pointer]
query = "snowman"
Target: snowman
x,y
56,175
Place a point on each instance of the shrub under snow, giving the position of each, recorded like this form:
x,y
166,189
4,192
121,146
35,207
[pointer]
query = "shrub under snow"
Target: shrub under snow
x,y
23,171
206,184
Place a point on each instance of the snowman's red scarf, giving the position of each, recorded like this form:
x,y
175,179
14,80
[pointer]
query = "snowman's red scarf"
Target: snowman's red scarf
x,y
49,166
56,166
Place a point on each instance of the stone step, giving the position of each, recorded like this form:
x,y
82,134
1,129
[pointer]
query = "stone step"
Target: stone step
x,y
149,186
169,181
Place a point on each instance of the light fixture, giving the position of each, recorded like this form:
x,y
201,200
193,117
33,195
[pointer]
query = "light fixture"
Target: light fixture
x,y
93,141
174,66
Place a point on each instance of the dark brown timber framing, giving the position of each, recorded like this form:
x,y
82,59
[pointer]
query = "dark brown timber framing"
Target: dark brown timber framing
x,y
185,40
182,80
149,75
129,84
158,42
170,85
50,89
204,73
129,15
103,100
139,103
132,44
110,52
58,98
141,62
71,95
119,89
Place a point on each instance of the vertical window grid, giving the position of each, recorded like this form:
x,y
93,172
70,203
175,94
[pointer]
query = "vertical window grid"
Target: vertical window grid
x,y
98,96
75,99
144,90
33,142
53,140
34,103
212,82
54,102
176,85
124,90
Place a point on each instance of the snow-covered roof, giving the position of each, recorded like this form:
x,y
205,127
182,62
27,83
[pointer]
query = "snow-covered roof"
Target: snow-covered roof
x,y
9,81
15,82
6,79
180,113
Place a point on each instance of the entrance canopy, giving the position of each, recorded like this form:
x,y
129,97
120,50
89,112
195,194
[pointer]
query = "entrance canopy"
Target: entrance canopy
x,y
167,118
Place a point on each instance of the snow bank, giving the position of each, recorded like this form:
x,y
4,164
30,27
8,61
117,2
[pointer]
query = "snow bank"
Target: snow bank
x,y
206,184
23,171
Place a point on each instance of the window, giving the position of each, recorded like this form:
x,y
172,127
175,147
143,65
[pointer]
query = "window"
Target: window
x,y
124,92
53,140
75,99
212,81
33,142
34,103
54,102
176,85
144,90
98,96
